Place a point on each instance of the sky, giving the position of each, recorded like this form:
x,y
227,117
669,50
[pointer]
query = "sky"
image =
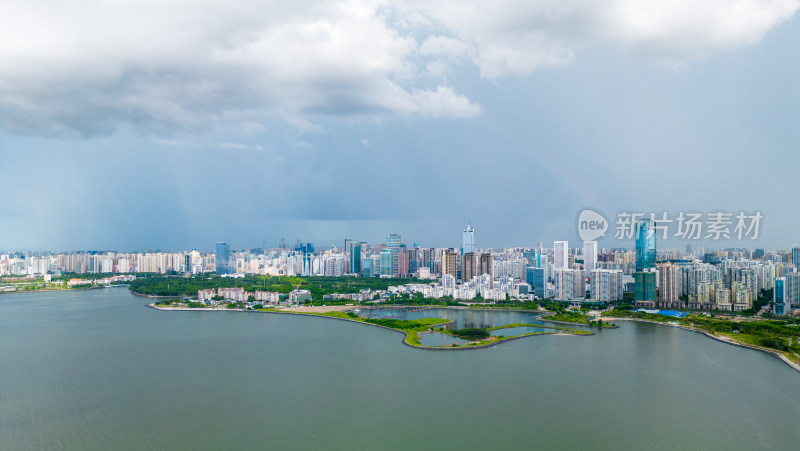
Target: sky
x,y
170,125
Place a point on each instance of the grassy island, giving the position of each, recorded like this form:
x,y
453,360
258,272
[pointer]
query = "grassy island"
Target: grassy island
x,y
479,338
577,317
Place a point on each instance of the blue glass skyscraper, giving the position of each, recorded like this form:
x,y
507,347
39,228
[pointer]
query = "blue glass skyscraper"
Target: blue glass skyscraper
x,y
645,245
393,244
468,240
223,258
386,262
355,258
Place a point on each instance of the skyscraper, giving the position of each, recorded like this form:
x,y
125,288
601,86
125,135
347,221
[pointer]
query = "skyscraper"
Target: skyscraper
x,y
348,248
468,240
355,258
569,284
779,304
486,265
796,256
645,245
606,285
536,278
402,261
589,257
223,259
669,286
449,262
393,244
645,288
386,262
561,254
468,267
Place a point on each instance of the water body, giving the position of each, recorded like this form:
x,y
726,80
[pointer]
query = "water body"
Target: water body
x,y
462,318
97,370
511,331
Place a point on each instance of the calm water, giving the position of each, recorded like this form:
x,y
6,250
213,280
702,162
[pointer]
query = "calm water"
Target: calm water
x,y
97,370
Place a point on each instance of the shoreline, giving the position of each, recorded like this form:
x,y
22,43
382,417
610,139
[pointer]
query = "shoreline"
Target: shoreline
x,y
405,334
722,339
53,289
576,324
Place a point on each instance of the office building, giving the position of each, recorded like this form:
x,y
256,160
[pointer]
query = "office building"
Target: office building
x,y
561,255
386,263
780,306
355,258
645,288
223,258
393,244
589,257
536,278
645,245
468,240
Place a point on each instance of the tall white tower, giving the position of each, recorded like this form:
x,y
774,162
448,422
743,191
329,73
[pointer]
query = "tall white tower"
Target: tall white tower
x,y
561,254
589,257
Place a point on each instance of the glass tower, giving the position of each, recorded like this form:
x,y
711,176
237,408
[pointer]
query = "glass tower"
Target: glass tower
x,y
223,258
386,262
645,245
393,244
468,240
355,258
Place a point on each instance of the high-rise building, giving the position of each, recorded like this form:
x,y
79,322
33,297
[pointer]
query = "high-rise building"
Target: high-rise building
x,y
402,262
393,244
796,256
606,285
793,289
645,288
589,257
779,304
468,267
223,258
669,286
449,262
569,284
348,248
487,267
355,258
561,255
386,262
468,240
537,279
645,245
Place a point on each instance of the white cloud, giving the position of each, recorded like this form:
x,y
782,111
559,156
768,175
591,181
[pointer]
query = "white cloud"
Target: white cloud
x,y
90,66
443,103
508,37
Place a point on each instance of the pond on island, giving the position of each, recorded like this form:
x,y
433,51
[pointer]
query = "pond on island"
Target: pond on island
x,y
521,330
440,339
462,318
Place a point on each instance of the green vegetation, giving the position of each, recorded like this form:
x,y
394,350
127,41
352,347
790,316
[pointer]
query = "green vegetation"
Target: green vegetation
x,y
472,334
318,286
577,317
777,335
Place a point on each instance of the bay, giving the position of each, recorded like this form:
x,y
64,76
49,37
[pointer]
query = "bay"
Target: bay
x,y
98,370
